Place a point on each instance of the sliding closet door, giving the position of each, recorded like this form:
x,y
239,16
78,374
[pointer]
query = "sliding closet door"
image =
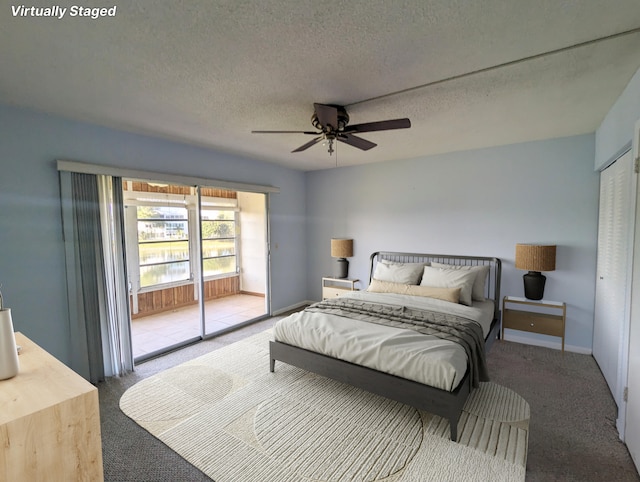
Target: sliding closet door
x,y
611,323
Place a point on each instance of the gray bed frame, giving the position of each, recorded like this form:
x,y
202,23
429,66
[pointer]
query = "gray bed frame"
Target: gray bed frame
x,y
423,397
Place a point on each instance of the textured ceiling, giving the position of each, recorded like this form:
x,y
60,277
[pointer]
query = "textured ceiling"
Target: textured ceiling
x,y
208,72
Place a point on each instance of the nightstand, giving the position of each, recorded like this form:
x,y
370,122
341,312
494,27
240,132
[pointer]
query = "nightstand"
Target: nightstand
x,y
333,287
544,317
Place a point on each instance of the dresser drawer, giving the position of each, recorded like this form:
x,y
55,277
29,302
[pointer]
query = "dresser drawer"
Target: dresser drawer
x,y
544,324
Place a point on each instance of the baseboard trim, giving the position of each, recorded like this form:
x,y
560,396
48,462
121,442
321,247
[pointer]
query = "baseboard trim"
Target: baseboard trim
x,y
252,293
547,344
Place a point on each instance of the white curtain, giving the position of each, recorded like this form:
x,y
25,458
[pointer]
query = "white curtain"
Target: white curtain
x,y
118,354
92,213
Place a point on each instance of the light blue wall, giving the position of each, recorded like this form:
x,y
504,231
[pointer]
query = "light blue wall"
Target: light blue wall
x,y
479,202
31,249
616,130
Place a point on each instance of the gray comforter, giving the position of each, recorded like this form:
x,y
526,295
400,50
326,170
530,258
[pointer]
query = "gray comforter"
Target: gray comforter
x,y
467,333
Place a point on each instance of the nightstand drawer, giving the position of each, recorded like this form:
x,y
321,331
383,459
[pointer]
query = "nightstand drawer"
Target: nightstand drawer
x,y
534,322
334,287
332,292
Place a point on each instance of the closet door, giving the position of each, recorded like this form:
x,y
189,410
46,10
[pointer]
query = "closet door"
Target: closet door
x,y
611,321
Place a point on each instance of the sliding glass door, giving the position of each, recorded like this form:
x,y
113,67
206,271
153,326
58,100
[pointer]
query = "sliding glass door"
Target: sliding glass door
x,y
233,266
160,235
197,262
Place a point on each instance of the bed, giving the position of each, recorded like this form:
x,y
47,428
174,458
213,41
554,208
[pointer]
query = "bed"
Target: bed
x,y
371,339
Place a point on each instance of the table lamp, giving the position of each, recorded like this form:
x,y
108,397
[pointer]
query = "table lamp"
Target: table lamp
x,y
341,248
535,258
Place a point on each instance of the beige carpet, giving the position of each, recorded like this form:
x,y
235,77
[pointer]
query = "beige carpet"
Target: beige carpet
x,y
229,416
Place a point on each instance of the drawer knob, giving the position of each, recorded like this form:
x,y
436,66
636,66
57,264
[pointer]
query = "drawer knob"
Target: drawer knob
x,y
531,324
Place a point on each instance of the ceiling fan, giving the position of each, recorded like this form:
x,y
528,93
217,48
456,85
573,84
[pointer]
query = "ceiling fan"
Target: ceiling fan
x,y
332,123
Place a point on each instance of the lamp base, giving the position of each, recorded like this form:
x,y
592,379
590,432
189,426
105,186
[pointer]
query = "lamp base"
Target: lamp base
x,y
341,268
534,285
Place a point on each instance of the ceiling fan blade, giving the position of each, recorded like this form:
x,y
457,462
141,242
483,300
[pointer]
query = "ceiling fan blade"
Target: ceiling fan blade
x,y
286,132
306,146
355,141
327,115
379,126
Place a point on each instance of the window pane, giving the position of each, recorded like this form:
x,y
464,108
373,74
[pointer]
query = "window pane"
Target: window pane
x,y
218,229
216,266
164,273
159,223
163,252
162,212
212,248
150,230
211,214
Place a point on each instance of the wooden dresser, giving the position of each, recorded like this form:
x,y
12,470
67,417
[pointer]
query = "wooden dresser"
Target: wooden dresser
x,y
49,421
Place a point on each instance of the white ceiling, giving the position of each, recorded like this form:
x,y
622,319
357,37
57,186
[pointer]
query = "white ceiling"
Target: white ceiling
x,y
208,72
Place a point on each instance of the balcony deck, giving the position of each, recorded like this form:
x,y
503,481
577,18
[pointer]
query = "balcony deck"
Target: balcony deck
x,y
153,333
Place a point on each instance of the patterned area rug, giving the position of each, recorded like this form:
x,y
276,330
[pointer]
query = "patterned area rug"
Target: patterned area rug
x,y
229,416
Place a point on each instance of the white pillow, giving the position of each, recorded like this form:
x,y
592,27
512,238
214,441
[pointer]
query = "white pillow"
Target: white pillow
x,y
477,293
450,278
405,273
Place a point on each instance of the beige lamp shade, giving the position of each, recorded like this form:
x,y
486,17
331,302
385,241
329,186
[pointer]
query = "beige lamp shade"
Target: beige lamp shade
x,y
535,257
341,248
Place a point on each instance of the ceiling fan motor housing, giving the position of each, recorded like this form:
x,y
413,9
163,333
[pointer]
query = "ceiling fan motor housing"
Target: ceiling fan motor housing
x,y
343,120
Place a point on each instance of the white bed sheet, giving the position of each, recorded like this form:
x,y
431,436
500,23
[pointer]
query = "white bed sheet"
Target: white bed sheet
x,y
401,352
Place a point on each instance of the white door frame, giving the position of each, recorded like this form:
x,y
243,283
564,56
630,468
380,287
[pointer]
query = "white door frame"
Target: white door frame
x,y
631,416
